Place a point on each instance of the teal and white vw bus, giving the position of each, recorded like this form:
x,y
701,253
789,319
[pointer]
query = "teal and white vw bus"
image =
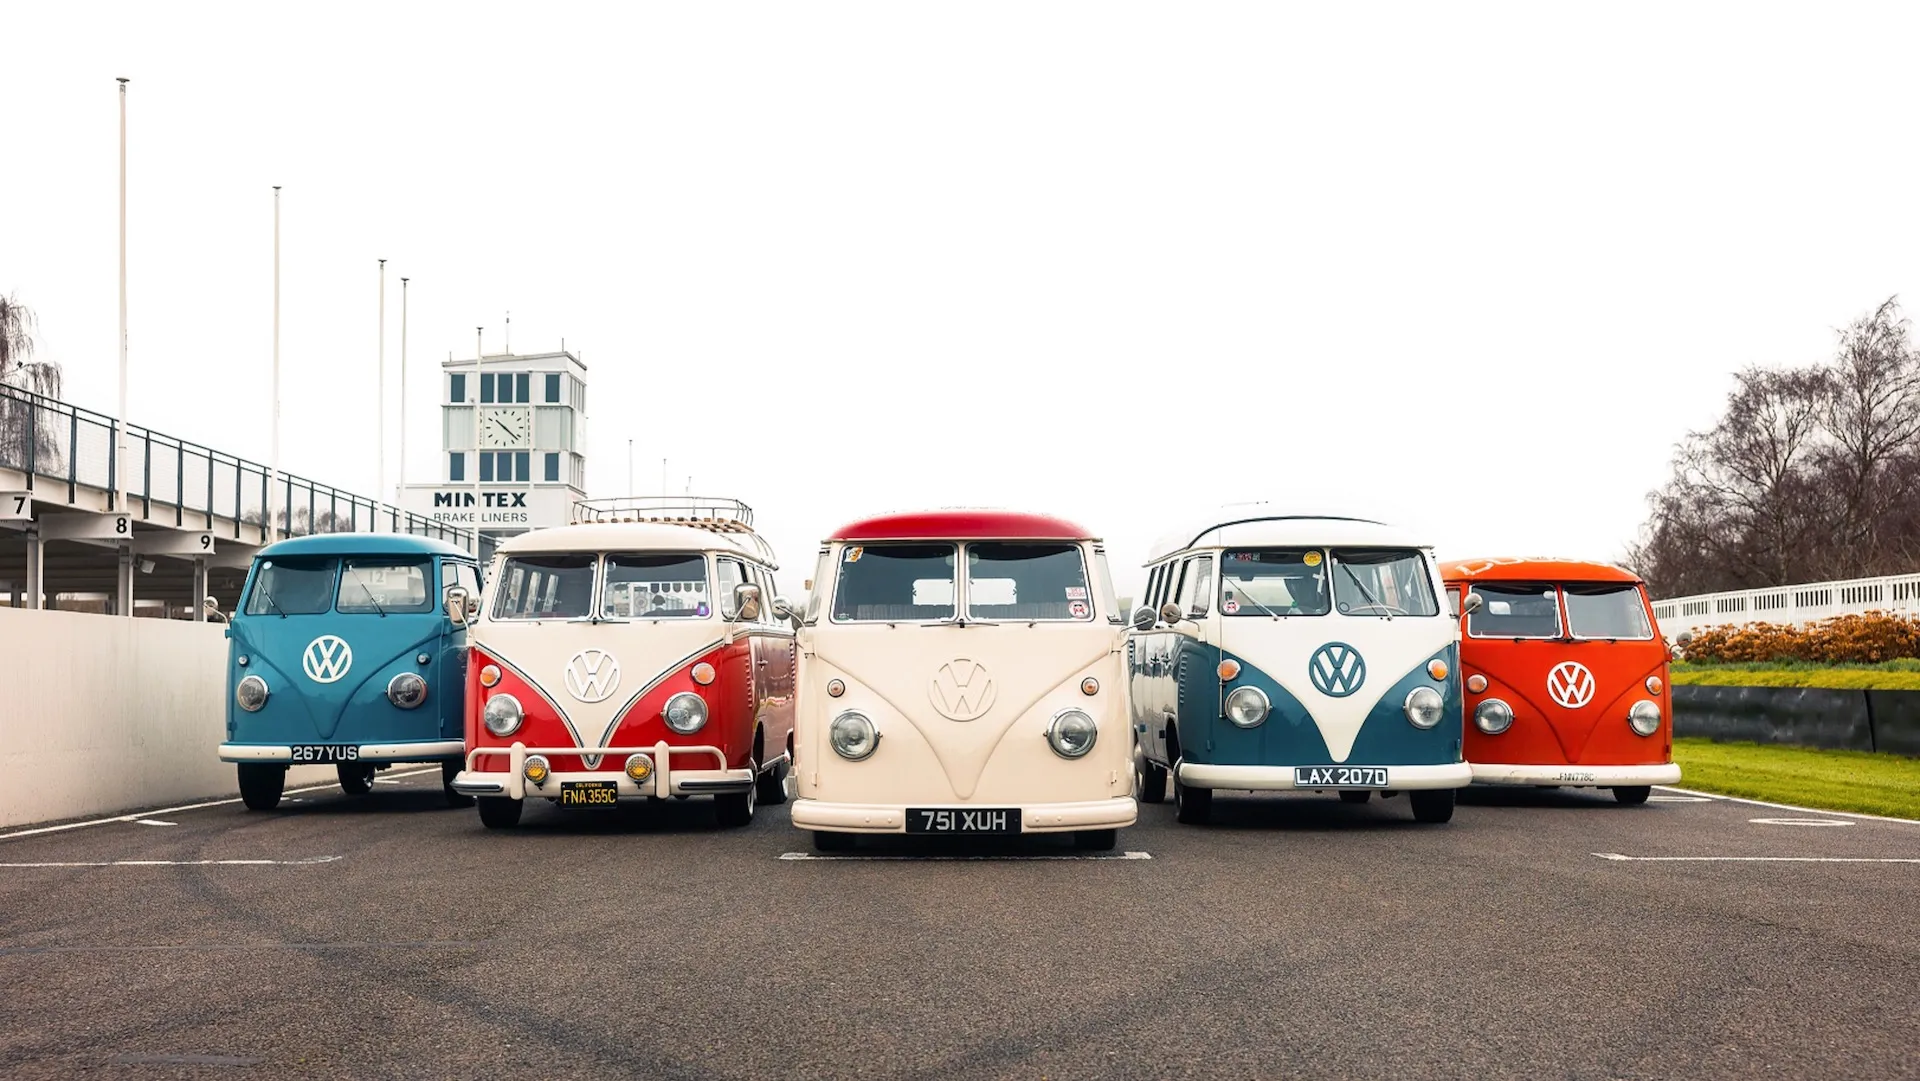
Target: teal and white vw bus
x,y
1290,654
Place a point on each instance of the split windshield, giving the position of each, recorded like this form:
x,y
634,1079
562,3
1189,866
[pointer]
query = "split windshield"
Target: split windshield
x,y
1610,610
1295,582
311,585
1006,580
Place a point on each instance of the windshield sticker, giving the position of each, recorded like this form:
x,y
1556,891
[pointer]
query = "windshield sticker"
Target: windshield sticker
x,y
1311,559
1078,609
853,555
1076,593
1230,606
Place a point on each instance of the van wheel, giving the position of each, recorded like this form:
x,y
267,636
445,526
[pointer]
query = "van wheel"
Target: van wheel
x,y
1153,782
1191,805
735,809
830,841
499,812
773,785
448,771
355,779
261,784
1633,795
1355,795
1096,840
1431,804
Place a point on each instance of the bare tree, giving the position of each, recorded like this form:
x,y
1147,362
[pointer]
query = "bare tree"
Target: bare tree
x,y
37,379
1872,418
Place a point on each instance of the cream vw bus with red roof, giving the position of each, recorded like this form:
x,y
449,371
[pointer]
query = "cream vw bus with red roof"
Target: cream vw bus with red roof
x,y
632,655
962,675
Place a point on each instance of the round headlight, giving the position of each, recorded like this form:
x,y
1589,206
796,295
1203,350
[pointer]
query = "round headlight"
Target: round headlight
x,y
1247,707
503,715
1072,733
1493,717
251,694
407,690
1644,717
1424,707
853,736
537,769
685,713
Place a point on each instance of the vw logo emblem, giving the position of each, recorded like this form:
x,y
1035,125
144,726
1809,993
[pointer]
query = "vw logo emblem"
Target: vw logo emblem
x,y
1570,684
1336,669
593,675
327,658
961,690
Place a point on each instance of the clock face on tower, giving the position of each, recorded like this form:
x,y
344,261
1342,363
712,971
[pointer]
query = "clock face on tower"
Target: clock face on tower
x,y
506,428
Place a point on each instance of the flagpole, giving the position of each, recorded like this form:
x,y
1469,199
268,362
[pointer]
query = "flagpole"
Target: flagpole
x,y
380,439
476,441
401,482
273,463
120,421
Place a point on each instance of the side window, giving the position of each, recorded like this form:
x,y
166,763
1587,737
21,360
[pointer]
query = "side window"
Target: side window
x,y
768,590
1453,601
731,574
1156,585
1196,599
1183,581
816,589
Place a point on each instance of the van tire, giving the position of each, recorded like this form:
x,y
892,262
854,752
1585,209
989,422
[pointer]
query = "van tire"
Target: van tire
x,y
448,771
1096,840
1433,805
1193,806
1153,782
355,779
500,812
832,841
1632,795
1355,795
261,784
735,809
772,785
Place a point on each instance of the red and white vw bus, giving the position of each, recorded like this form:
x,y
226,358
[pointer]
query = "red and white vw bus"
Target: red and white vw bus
x,y
631,655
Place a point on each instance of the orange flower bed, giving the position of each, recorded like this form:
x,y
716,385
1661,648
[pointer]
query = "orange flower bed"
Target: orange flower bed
x,y
1858,639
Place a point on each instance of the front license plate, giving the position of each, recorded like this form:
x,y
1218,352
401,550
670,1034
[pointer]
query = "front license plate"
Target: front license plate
x,y
1340,777
596,794
950,820
326,752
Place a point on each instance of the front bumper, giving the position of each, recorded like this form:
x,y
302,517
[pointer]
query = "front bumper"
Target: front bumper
x,y
1576,776
667,778
1280,778
1105,814
435,750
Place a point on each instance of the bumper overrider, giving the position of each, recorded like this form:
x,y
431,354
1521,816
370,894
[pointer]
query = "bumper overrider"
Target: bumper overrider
x,y
1281,778
812,814
665,779
435,750
1596,776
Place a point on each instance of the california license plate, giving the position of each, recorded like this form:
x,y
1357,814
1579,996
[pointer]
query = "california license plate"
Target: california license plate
x,y
960,820
594,794
1340,777
325,752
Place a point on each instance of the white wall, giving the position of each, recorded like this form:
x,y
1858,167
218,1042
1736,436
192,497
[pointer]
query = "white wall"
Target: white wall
x,y
104,715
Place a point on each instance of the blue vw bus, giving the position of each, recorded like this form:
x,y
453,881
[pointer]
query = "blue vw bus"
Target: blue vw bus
x,y
1291,654
349,650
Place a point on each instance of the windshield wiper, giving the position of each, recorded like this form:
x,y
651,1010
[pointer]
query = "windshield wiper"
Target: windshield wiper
x,y
1371,601
1245,581
368,590
271,603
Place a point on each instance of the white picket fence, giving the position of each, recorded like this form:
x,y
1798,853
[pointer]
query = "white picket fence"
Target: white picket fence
x,y
1898,593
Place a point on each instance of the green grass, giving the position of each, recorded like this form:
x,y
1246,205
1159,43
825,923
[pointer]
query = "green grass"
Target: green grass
x,y
1880,784
1903,675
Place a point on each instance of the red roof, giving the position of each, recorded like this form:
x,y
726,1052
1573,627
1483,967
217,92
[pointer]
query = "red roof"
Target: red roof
x,y
1536,569
961,525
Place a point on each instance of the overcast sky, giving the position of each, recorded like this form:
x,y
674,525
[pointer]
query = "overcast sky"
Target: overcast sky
x,y
1473,269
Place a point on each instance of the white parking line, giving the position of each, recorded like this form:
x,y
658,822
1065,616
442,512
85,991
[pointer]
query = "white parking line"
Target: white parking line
x,y
1786,806
137,815
1678,799
1758,859
1800,821
185,863
151,822
937,858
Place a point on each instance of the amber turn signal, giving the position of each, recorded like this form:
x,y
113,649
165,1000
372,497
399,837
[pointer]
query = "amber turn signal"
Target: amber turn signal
x,y
1476,683
835,688
1089,686
489,676
1437,668
1229,668
1654,684
703,673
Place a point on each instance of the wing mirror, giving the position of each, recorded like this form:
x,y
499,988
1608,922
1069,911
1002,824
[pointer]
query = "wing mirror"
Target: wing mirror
x,y
746,602
1471,603
784,609
1170,613
1144,618
456,606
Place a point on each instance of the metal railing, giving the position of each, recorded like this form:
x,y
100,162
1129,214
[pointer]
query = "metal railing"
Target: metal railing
x,y
171,481
1899,593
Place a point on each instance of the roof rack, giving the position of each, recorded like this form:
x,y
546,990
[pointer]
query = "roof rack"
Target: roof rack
x,y
729,516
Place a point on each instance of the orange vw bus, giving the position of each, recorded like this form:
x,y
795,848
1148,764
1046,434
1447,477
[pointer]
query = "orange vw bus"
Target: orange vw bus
x,y
1566,676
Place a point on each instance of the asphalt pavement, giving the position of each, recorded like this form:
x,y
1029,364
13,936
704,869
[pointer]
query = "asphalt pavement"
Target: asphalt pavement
x,y
1536,935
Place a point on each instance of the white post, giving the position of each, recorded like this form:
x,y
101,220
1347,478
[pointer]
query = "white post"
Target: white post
x,y
273,462
476,442
380,440
401,481
124,594
629,467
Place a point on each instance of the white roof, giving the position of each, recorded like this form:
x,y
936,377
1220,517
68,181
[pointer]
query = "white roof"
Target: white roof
x,y
1257,529
635,537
